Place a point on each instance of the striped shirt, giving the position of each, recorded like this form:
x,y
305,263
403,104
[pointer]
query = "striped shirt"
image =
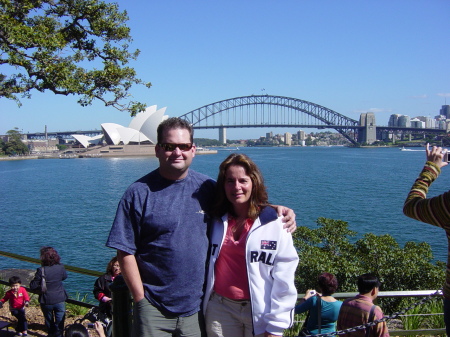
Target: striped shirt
x,y
355,312
435,211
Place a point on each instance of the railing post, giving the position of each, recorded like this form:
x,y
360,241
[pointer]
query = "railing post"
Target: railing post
x,y
121,307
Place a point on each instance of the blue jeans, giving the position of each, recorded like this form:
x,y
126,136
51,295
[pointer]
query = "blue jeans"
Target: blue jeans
x,y
22,324
54,315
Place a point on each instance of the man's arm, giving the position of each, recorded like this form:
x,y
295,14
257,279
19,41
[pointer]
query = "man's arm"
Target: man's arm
x,y
129,270
288,217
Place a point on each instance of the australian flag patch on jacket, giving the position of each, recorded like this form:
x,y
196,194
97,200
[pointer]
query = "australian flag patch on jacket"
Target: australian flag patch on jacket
x,y
269,245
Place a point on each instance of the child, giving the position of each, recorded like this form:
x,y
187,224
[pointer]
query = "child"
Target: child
x,y
18,299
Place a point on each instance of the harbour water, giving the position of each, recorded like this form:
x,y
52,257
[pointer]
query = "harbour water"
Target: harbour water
x,y
70,204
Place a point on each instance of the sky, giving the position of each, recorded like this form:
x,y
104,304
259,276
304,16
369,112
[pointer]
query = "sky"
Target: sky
x,y
351,56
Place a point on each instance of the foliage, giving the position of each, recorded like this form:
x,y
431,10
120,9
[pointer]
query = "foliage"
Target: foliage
x,y
14,145
46,44
61,147
207,142
328,249
3,290
2,145
446,141
74,310
427,316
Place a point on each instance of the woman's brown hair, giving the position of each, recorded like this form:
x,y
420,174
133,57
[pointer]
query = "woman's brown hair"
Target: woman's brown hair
x,y
49,256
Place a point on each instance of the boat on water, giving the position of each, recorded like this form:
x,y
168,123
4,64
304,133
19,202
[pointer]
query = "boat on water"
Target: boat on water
x,y
405,149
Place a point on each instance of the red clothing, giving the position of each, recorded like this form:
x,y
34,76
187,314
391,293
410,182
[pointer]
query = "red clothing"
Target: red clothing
x,y
231,270
16,302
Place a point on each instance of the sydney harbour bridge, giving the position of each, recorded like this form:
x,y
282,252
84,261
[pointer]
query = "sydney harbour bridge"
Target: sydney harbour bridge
x,y
267,111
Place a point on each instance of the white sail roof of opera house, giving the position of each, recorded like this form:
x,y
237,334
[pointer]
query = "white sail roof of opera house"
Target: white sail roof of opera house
x,y
142,129
86,140
147,122
117,134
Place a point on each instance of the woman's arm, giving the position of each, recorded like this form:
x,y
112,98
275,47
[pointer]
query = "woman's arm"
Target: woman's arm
x,y
284,293
36,281
436,210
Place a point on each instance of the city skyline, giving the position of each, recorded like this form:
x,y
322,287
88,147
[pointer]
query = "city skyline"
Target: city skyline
x,y
351,57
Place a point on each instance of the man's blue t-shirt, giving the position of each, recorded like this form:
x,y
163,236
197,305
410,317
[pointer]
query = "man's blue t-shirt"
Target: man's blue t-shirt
x,y
164,224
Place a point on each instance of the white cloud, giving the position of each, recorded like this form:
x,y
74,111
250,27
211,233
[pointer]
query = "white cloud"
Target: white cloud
x,y
420,96
374,110
444,94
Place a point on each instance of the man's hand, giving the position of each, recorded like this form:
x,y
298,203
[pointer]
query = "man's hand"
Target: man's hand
x,y
435,155
268,334
99,328
288,218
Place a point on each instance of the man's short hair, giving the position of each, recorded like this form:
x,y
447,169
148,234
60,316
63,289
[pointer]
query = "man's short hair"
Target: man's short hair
x,y
174,123
367,282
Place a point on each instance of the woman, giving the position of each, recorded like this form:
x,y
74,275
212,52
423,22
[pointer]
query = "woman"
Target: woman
x,y
250,287
434,211
52,300
329,306
101,287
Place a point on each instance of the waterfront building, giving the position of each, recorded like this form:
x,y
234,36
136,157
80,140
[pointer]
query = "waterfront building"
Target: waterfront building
x,y
417,123
404,121
288,139
428,122
141,130
393,120
445,110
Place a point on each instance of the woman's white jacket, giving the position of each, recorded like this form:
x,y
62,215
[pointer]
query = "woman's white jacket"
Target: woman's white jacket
x,y
271,262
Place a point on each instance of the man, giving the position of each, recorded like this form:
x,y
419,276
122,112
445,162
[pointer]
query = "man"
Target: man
x,y
360,309
160,236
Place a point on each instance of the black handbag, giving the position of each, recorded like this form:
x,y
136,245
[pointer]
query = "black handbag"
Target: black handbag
x,y
304,330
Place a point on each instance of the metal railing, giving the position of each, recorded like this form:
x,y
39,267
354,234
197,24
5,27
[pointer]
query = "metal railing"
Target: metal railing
x,y
122,303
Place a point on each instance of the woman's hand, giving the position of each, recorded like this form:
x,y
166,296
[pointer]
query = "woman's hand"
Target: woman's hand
x,y
435,155
106,299
309,293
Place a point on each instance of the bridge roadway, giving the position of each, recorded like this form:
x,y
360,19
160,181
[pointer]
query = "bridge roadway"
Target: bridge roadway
x,y
268,111
92,133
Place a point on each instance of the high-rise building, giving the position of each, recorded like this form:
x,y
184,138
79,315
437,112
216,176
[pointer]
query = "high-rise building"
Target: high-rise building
x,y
404,121
288,139
445,110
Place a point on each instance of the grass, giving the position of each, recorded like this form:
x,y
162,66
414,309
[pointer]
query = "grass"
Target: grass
x,y
294,330
3,290
75,310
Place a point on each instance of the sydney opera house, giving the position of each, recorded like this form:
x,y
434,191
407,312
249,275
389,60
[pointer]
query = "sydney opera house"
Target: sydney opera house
x,y
142,130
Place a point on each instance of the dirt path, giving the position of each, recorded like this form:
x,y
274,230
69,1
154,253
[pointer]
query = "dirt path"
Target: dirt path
x,y
36,326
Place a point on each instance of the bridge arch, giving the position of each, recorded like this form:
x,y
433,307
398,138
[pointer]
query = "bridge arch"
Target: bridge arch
x,y
258,111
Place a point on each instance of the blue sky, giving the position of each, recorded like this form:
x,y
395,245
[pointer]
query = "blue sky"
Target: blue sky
x,y
351,56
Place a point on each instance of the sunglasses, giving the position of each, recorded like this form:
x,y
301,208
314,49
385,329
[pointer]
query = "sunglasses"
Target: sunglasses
x,y
171,147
